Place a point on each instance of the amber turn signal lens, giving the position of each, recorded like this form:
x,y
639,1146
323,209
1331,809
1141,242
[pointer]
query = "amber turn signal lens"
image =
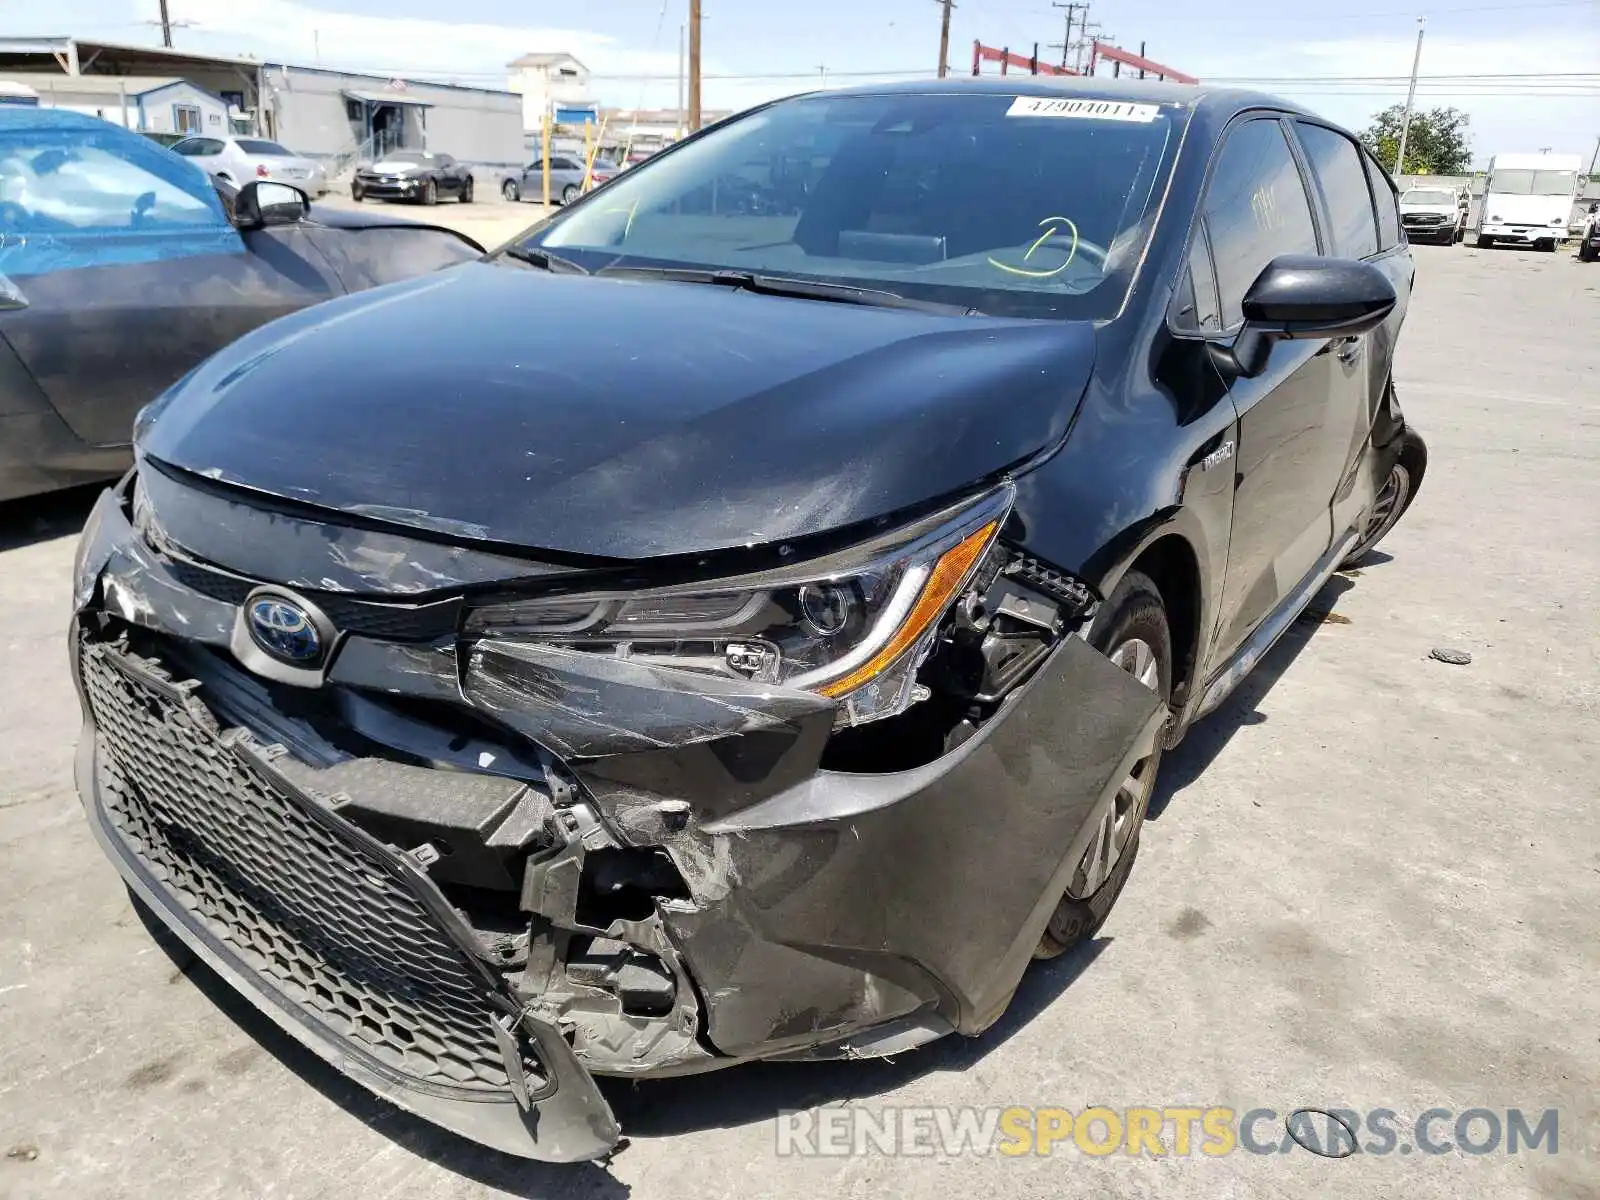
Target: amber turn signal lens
x,y
947,576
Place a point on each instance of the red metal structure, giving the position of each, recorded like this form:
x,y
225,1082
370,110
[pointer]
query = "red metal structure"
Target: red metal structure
x,y
982,54
1098,51
1101,50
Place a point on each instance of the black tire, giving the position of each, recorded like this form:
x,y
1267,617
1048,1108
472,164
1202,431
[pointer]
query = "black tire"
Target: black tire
x,y
571,194
1394,497
430,193
1484,242
1133,612
511,191
357,193
1587,253
466,191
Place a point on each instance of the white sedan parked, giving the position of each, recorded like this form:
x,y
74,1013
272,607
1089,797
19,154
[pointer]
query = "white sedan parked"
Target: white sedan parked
x,y
241,160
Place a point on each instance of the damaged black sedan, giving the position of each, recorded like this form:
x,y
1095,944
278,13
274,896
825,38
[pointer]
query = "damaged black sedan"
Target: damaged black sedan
x,y
701,633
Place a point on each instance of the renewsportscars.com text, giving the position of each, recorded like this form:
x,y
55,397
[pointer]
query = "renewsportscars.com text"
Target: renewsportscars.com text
x,y
845,1131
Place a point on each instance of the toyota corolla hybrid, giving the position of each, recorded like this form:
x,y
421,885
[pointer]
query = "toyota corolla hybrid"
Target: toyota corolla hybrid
x,y
496,710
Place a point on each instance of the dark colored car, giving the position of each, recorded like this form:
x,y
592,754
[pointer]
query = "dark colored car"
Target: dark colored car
x,y
421,176
503,710
122,266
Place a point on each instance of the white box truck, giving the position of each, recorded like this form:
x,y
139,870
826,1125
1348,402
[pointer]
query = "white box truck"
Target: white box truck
x,y
1528,199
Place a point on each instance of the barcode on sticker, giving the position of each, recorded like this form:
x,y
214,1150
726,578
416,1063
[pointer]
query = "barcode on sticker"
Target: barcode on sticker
x,y
1094,110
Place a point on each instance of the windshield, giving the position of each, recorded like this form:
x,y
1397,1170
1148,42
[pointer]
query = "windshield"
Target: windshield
x,y
1430,196
1534,183
257,146
406,156
1011,206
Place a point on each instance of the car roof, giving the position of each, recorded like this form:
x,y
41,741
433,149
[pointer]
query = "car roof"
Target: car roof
x,y
17,116
1153,91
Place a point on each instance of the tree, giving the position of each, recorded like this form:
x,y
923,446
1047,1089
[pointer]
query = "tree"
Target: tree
x,y
1436,144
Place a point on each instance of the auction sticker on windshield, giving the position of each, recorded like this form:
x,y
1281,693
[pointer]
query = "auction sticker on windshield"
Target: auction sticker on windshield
x,y
1098,110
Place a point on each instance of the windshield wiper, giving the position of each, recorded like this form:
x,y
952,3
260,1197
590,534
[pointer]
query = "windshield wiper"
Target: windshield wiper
x,y
783,285
544,260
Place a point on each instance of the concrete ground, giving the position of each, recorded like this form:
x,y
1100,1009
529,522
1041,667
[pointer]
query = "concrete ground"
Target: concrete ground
x,y
1371,880
489,220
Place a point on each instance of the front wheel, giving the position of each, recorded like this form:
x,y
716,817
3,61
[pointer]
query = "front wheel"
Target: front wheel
x,y
357,193
430,193
1132,632
466,191
570,194
1392,499
510,191
1484,243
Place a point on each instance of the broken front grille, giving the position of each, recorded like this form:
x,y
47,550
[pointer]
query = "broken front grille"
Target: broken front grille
x,y
331,923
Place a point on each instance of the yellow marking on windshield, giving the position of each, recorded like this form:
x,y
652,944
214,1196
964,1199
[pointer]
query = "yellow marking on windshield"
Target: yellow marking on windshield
x,y
1050,229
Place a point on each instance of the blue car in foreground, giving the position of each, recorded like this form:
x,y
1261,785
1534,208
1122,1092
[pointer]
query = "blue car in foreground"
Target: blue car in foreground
x,y
122,267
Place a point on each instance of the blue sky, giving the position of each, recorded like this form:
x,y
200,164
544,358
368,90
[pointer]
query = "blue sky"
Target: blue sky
x,y
782,46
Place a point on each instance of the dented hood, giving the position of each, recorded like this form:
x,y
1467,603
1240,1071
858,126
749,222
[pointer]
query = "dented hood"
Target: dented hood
x,y
615,417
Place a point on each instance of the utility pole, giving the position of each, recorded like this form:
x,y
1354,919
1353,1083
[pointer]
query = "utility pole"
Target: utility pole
x,y
1072,10
166,26
944,37
694,65
680,82
1411,95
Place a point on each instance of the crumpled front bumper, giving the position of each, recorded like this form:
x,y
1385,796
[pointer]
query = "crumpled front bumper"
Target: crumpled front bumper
x,y
820,913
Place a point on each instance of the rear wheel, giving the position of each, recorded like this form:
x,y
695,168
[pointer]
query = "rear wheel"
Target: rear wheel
x,y
511,191
1132,632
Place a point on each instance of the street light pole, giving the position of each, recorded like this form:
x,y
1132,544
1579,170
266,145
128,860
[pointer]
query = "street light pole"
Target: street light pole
x,y
1411,95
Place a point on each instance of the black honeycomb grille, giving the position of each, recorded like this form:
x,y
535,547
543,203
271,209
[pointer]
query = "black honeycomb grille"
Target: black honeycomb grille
x,y
329,922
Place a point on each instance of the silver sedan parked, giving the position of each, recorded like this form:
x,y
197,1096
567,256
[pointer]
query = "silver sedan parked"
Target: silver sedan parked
x,y
566,179
242,160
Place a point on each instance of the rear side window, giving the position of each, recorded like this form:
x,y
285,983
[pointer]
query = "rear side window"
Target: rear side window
x,y
198,147
1336,164
1256,209
258,146
1383,197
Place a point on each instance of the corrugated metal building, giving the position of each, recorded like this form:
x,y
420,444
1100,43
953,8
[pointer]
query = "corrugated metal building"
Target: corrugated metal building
x,y
332,114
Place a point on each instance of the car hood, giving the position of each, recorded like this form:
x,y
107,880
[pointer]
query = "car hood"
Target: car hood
x,y
619,418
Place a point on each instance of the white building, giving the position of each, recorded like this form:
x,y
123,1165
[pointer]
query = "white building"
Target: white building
x,y
557,84
146,104
335,116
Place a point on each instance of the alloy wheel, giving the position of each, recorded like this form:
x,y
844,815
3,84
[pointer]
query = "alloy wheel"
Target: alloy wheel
x,y
1122,816
510,192
1386,510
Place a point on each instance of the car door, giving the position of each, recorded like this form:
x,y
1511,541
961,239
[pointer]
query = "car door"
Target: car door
x,y
1341,184
1293,426
205,153
129,271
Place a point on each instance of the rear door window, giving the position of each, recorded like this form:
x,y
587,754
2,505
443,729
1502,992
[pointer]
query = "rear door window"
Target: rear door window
x,y
1336,165
1255,209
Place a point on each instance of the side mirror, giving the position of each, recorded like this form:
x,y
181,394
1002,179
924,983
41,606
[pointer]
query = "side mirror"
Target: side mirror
x,y
262,203
1307,296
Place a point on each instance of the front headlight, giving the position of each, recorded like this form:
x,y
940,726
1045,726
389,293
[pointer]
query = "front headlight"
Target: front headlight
x,y
853,626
